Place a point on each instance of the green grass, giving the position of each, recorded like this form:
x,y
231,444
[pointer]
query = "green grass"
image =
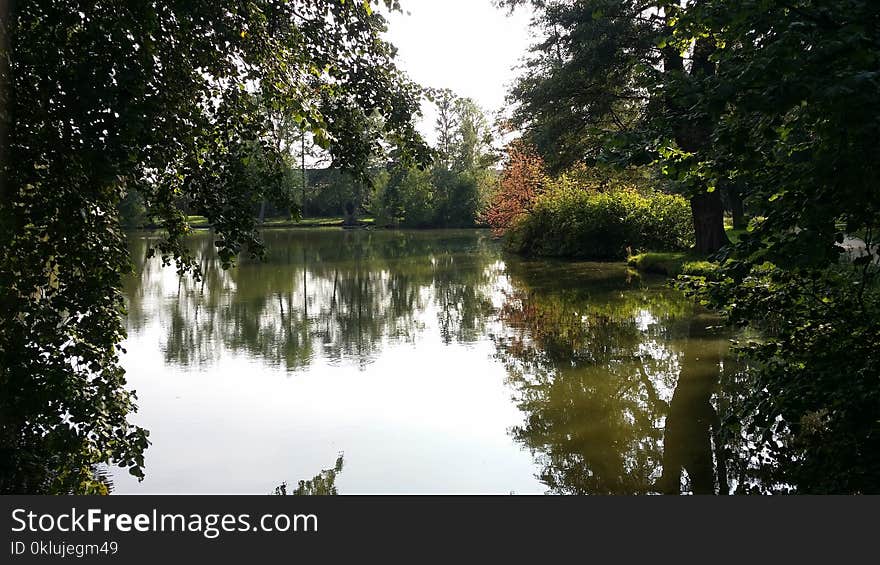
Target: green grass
x,y
325,222
197,221
672,264
202,222
661,263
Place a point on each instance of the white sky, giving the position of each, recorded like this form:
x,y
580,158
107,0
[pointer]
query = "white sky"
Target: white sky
x,y
468,46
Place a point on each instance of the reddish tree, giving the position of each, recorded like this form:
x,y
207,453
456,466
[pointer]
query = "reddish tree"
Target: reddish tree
x,y
522,180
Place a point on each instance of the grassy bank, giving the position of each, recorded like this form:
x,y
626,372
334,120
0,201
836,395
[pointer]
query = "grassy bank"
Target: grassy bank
x,y
674,263
200,222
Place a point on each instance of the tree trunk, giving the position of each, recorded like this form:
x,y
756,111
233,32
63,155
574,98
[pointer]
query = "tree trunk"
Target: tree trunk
x,y
737,210
262,212
694,135
302,212
708,213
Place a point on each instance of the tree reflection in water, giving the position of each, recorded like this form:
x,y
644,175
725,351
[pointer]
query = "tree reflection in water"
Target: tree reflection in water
x,y
616,380
616,376
323,484
333,294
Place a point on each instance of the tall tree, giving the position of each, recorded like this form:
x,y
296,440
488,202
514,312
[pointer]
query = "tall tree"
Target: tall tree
x,y
473,147
168,97
445,125
611,81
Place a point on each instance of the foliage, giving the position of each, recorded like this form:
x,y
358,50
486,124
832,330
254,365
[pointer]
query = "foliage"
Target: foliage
x,y
132,212
796,93
610,82
568,222
777,103
464,137
454,191
332,192
176,101
522,180
323,484
808,406
415,198
457,197
445,126
406,199
472,147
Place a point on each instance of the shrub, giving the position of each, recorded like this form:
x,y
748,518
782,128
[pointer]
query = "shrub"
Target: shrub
x,y
519,185
568,222
809,402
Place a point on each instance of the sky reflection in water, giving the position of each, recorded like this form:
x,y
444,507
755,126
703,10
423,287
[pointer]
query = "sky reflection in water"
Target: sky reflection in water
x,y
435,362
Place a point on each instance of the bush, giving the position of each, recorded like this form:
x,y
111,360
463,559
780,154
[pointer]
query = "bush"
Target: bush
x,y
569,222
809,402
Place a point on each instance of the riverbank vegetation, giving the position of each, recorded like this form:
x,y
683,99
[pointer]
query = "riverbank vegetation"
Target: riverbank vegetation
x,y
393,191
769,109
572,222
640,127
454,190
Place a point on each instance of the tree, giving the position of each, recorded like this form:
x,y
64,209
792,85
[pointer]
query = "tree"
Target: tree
x,y
473,147
407,198
456,197
522,180
446,125
461,178
103,96
453,191
798,96
609,81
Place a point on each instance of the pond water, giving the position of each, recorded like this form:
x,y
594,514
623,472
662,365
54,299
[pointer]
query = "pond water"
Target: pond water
x,y
431,360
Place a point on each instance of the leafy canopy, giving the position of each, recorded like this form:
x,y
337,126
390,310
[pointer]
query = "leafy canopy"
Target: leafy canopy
x,y
176,100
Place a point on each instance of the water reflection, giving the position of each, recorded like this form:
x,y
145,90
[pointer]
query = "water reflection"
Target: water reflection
x,y
616,379
613,377
334,294
323,484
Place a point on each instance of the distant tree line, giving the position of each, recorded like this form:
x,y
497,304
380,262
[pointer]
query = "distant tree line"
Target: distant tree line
x,y
451,192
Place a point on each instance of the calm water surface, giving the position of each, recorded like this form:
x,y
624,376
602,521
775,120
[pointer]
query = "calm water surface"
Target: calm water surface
x,y
432,360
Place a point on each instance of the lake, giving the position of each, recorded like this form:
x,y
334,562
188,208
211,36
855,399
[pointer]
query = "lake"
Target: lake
x,y
433,361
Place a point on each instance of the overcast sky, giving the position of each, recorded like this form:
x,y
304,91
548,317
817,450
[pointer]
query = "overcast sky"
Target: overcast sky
x,y
468,46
